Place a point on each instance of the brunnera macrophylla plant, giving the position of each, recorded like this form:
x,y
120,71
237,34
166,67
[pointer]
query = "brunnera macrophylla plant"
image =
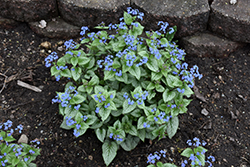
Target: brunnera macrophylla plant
x,y
195,154
12,154
126,87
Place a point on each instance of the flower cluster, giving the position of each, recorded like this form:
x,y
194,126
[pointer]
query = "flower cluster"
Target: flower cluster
x,y
65,98
196,157
10,151
115,137
156,156
53,56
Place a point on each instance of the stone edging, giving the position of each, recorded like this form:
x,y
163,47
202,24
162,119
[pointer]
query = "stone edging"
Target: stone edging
x,y
202,28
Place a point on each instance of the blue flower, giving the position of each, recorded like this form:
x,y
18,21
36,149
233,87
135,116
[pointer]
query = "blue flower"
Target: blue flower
x,y
84,29
164,26
76,133
97,109
119,73
77,107
171,30
31,152
106,106
125,95
130,102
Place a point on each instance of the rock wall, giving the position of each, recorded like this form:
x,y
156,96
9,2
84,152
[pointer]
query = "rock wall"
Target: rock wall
x,y
205,27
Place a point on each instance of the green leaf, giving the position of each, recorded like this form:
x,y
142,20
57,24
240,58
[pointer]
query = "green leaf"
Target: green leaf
x,y
151,86
78,118
123,78
172,126
66,73
99,89
94,80
156,76
9,139
159,88
153,65
173,81
127,18
82,60
136,113
132,131
97,124
15,161
128,108
116,113
135,71
160,131
23,164
109,74
54,71
64,125
101,133
81,89
104,113
77,99
168,95
188,91
169,165
143,53
86,40
109,151
76,73
91,63
140,122
141,134
89,89
159,164
74,61
61,61
130,143
187,152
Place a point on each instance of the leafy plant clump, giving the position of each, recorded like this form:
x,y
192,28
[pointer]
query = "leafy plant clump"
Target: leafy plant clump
x,y
126,87
11,154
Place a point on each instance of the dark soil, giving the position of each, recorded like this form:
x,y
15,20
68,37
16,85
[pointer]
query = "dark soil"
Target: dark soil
x,y
225,86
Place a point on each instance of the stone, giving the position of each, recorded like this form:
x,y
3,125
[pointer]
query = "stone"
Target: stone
x,y
92,12
208,45
8,23
57,28
231,21
23,139
204,112
28,10
189,16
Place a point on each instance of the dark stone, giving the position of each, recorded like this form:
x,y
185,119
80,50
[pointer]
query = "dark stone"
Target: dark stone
x,y
189,16
28,10
208,45
8,23
57,28
92,12
231,21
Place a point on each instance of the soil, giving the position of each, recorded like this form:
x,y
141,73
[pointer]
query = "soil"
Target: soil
x,y
225,86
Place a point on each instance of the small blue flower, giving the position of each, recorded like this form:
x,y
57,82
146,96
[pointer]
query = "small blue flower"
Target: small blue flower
x,y
31,152
78,126
125,95
171,30
119,73
97,109
76,133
